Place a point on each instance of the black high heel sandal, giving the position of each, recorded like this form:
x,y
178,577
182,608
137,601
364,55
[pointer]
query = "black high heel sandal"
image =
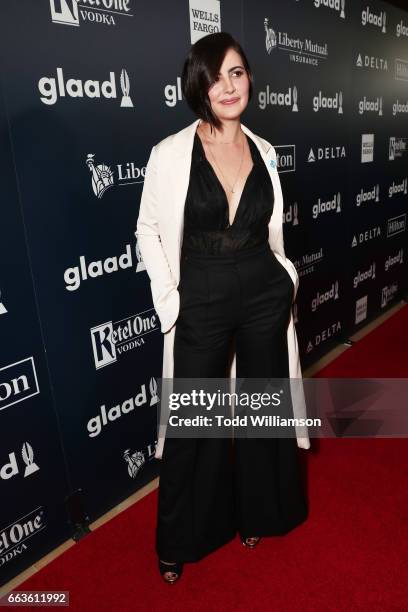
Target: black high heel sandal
x,y
249,543
174,568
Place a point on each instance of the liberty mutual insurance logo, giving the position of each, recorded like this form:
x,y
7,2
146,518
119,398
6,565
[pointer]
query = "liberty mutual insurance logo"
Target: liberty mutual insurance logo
x,y
51,88
103,176
302,51
72,12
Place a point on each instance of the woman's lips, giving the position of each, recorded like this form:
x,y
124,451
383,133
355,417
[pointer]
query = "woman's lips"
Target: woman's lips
x,y
230,101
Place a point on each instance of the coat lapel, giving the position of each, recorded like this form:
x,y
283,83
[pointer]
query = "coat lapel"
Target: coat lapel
x,y
181,155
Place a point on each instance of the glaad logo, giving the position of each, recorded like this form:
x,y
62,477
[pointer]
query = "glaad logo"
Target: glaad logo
x,y
402,29
18,382
371,106
398,188
367,148
75,275
388,293
3,309
14,536
397,147
372,62
329,206
367,17
399,107
173,93
330,294
50,88
103,177
363,276
291,215
96,423
11,469
115,338
67,12
304,51
326,153
135,461
290,98
366,236
326,103
368,196
336,5
397,259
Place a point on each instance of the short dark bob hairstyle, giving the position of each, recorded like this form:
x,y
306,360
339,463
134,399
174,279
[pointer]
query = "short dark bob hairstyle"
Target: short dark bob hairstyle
x,y
201,69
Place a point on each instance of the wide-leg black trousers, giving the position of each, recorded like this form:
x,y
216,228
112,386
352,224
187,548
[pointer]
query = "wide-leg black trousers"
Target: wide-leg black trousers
x,y
210,488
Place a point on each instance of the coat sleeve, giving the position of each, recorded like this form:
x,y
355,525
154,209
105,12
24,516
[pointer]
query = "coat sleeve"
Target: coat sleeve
x,y
166,298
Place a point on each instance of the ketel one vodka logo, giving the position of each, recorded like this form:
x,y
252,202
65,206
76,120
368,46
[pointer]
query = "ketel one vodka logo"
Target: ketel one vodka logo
x,y
13,538
114,338
69,12
3,309
103,176
397,147
11,468
51,88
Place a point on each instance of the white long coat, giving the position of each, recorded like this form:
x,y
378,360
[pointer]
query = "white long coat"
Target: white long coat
x,y
159,233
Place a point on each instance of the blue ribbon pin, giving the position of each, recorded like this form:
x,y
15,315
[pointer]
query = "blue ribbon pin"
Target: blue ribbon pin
x,y
273,163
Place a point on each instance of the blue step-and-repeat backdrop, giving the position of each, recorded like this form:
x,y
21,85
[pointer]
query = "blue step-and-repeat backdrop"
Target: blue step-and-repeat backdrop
x,y
87,88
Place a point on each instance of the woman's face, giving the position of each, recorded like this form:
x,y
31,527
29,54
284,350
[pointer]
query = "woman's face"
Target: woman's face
x,y
232,85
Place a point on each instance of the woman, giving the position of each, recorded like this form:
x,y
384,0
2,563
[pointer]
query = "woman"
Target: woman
x,y
235,291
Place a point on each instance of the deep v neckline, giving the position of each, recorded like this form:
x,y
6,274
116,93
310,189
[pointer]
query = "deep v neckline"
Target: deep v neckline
x,y
230,225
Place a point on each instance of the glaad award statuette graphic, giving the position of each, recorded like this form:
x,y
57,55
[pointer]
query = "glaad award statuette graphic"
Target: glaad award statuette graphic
x,y
3,309
28,458
125,86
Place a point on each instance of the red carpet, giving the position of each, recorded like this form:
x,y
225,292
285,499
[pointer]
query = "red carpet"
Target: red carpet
x,y
351,553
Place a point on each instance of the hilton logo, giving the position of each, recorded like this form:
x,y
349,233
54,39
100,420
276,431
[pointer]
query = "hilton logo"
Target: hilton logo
x,y
18,382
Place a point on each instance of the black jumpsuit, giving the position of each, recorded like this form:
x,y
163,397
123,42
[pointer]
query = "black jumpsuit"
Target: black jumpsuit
x,y
232,290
